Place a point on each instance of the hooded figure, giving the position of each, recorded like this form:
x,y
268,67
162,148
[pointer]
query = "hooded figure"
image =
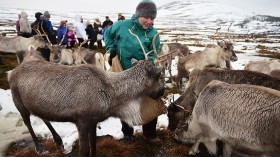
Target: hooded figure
x,y
25,26
80,29
62,33
120,41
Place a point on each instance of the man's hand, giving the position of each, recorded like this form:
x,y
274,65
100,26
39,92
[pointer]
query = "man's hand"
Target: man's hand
x,y
113,53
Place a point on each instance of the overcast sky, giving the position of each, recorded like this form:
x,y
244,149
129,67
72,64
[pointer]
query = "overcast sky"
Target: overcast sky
x,y
266,7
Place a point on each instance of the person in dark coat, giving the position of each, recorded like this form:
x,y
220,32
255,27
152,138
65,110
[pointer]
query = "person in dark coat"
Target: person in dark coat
x,y
92,35
41,27
107,22
98,29
62,33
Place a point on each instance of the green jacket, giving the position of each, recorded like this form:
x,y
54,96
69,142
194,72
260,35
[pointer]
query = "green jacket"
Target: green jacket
x,y
127,46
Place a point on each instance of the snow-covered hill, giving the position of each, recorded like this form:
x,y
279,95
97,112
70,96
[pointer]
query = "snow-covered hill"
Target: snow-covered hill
x,y
201,15
183,15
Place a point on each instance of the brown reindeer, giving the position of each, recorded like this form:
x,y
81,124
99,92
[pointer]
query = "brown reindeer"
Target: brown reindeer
x,y
244,117
84,95
61,55
169,51
181,108
213,55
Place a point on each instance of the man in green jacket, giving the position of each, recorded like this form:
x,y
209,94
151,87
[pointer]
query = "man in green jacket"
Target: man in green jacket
x,y
119,41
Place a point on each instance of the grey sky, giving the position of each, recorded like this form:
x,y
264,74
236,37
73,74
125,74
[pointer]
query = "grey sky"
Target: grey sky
x,y
266,7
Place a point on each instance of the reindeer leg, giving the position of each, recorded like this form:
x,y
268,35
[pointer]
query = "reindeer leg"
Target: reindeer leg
x,y
92,139
56,137
84,129
39,147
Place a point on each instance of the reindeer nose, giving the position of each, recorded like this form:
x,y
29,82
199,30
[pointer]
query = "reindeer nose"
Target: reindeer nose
x,y
160,93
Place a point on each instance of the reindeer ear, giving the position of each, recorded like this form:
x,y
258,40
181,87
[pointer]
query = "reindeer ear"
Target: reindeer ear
x,y
221,44
32,49
159,69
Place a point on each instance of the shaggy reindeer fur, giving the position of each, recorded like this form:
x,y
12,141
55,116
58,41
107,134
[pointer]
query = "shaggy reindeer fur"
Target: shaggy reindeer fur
x,y
84,95
275,73
245,117
200,78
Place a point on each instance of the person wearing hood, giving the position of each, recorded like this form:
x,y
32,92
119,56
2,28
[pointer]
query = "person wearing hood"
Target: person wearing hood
x,y
80,30
119,41
25,27
62,33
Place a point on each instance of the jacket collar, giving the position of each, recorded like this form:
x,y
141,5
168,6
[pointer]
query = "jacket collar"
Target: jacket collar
x,y
138,26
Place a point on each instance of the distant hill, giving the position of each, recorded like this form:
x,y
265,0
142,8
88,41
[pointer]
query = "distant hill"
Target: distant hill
x,y
208,15
180,15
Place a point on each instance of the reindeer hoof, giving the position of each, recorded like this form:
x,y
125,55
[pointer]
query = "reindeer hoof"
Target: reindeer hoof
x,y
41,150
129,138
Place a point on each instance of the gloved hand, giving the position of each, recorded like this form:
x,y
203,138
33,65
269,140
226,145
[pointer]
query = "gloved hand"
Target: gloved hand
x,y
113,53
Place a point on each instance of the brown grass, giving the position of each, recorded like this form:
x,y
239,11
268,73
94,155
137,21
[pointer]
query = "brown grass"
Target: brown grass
x,y
267,53
10,62
163,145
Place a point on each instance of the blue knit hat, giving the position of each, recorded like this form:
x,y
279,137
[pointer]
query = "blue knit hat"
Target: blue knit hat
x,y
147,9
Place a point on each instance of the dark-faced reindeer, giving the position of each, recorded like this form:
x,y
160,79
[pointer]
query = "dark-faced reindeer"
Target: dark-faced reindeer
x,y
244,117
98,95
61,55
213,55
180,109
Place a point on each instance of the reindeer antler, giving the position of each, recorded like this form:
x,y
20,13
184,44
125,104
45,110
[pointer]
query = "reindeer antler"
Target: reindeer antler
x,y
143,49
228,32
79,50
46,34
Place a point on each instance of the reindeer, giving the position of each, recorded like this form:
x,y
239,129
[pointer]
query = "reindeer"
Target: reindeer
x,y
244,117
87,56
180,108
170,51
263,66
213,55
98,95
61,55
22,55
19,43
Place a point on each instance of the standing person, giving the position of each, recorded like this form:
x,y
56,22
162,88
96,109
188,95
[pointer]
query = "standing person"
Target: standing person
x,y
98,29
71,38
52,33
120,16
92,35
40,26
25,27
62,33
107,22
80,30
17,24
119,41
